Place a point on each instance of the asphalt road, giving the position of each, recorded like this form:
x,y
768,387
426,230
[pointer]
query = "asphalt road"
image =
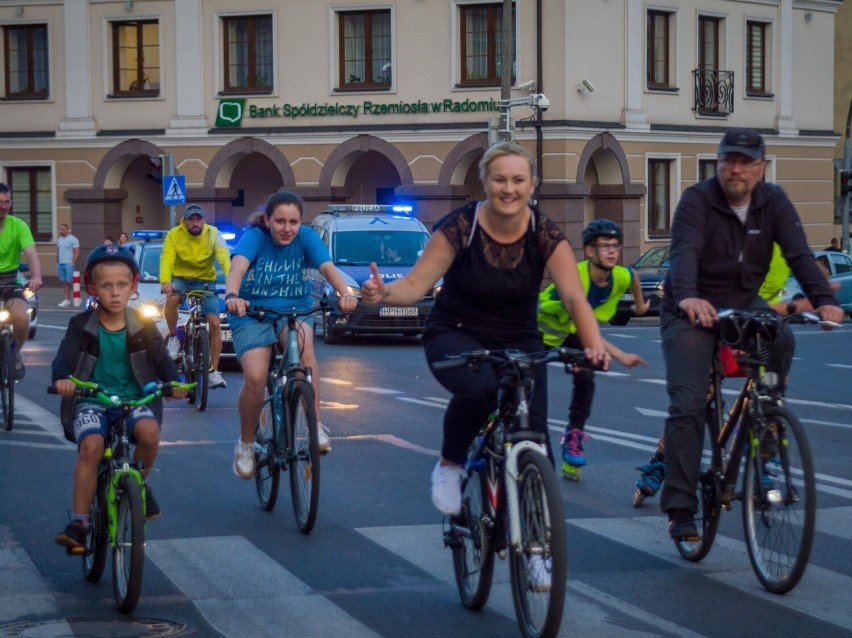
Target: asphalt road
x,y
217,565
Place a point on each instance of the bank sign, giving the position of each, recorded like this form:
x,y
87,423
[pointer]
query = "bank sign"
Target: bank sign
x,y
233,112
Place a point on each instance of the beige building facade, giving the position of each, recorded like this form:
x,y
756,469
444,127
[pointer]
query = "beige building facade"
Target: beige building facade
x,y
354,102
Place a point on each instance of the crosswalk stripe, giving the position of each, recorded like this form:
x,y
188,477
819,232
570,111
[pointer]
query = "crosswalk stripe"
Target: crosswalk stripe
x,y
585,607
220,575
24,592
822,593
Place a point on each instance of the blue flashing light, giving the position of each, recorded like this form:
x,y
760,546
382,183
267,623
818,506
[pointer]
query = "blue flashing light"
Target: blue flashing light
x,y
402,209
228,235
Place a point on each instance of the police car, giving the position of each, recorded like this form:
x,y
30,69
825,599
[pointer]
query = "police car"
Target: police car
x,y
355,235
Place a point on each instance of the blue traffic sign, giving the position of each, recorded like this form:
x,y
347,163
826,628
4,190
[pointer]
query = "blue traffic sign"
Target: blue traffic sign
x,y
174,189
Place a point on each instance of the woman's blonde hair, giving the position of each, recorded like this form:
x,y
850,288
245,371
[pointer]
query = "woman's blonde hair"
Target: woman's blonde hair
x,y
499,150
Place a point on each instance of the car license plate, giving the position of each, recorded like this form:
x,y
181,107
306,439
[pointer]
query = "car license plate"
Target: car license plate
x,y
394,311
226,335
627,297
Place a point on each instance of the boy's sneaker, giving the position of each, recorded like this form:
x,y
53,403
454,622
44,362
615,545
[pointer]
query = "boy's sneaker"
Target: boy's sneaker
x,y
216,380
173,346
653,475
73,537
572,447
244,460
20,368
539,573
324,439
64,303
446,488
152,507
682,526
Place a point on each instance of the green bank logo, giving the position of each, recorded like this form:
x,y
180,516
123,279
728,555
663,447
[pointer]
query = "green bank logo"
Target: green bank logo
x,y
230,112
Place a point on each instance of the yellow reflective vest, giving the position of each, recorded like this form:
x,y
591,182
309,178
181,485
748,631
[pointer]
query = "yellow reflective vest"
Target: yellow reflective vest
x,y
554,322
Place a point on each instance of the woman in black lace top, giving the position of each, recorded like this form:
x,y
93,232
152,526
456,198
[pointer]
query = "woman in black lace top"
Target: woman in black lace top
x,y
492,256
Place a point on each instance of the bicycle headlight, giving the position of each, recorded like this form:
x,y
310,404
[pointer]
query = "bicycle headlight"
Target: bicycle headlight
x,y
4,316
29,294
150,310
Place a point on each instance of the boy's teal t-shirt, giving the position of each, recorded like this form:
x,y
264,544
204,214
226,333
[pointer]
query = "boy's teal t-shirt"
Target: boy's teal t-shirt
x,y
112,371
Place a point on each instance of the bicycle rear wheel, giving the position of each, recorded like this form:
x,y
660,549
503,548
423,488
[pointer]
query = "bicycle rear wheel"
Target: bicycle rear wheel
x,y
469,538
538,566
267,475
7,381
303,457
202,367
707,516
128,554
97,540
779,515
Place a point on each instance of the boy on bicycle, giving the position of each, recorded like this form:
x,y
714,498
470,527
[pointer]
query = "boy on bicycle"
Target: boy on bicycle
x,y
116,347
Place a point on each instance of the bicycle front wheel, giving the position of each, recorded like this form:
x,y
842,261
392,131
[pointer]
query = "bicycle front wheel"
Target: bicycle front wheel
x,y
7,381
267,475
303,457
97,540
538,565
779,495
202,367
128,554
469,539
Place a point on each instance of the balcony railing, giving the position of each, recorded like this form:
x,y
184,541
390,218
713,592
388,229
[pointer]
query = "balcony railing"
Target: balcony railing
x,y
714,92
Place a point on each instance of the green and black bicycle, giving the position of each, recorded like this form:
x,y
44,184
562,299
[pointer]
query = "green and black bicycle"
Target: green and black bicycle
x,y
118,509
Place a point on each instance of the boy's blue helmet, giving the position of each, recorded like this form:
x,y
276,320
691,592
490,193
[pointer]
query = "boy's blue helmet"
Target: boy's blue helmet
x,y
111,252
601,228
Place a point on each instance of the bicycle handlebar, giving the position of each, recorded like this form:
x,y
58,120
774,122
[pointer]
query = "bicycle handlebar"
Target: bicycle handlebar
x,y
569,356
152,390
260,313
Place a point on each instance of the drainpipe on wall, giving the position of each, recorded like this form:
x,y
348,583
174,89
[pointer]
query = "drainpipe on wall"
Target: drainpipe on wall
x,y
539,87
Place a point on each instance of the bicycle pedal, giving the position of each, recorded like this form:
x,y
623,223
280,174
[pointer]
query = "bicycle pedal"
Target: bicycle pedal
x,y
76,551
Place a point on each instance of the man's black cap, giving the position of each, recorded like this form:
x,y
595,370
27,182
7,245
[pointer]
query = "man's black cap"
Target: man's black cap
x,y
744,141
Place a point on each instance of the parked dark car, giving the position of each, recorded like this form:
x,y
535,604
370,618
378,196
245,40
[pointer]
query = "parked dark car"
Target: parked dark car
x,y
651,267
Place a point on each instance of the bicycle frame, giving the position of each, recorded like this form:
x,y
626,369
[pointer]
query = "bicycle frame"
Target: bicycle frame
x,y
117,463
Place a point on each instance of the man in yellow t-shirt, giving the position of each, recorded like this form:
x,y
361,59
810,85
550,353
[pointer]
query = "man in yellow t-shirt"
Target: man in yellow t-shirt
x,y
187,263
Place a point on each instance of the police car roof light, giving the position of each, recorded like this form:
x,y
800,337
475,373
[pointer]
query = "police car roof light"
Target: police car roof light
x,y
148,234
337,209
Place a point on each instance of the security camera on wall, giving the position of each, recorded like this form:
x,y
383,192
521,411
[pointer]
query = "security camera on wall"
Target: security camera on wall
x,y
526,86
540,100
585,85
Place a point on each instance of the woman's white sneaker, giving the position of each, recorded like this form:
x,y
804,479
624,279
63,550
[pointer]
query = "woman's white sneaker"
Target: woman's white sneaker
x,y
244,460
446,488
324,439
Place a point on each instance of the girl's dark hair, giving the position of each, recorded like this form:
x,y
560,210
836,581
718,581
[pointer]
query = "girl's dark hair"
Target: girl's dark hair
x,y
278,198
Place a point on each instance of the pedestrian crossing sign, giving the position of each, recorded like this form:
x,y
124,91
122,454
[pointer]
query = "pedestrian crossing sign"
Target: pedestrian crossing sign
x,y
174,189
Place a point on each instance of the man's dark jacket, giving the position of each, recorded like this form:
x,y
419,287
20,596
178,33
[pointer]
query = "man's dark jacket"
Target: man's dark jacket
x,y
716,257
79,350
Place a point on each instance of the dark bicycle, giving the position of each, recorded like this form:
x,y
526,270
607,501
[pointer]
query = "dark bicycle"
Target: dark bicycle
x,y
511,502
194,355
8,353
118,509
763,440
287,436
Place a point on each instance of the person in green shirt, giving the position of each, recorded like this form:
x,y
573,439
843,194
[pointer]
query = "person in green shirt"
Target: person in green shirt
x,y
16,238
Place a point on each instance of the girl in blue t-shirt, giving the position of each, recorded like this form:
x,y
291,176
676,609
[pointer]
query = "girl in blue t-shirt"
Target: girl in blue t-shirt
x,y
267,269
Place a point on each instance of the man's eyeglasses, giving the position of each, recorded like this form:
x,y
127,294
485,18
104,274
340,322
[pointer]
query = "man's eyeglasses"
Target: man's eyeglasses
x,y
609,248
5,202
742,162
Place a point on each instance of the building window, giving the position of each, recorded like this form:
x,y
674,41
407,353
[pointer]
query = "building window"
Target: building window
x,y
659,197
706,169
365,49
659,53
136,58
33,199
248,54
481,44
25,55
756,63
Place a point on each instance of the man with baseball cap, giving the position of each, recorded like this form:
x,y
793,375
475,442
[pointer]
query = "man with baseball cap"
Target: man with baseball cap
x,y
722,235
186,263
